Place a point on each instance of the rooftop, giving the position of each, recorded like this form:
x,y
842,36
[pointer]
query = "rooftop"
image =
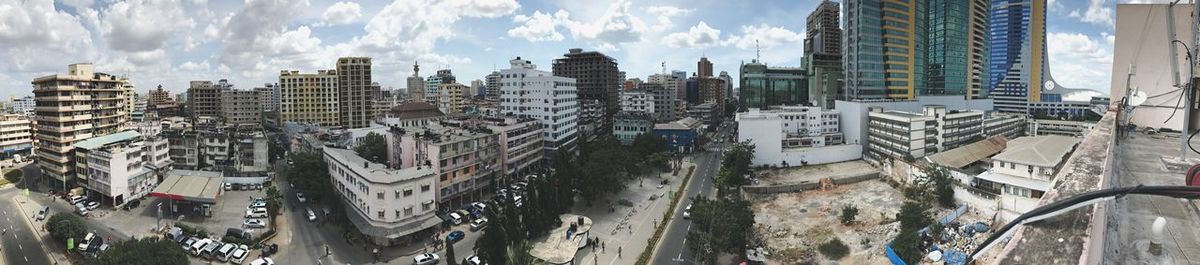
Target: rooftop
x,y
375,172
966,155
190,185
561,244
97,142
1042,151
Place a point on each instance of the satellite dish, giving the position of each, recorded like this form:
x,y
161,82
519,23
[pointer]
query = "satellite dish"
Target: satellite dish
x,y
1139,97
1049,85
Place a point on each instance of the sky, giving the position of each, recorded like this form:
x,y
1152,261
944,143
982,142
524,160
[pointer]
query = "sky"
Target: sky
x,y
170,42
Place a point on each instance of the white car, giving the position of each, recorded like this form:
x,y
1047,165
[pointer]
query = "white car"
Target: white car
x,y
262,261
93,205
425,259
239,255
256,213
254,223
687,212
479,205
457,219
312,216
474,260
300,197
478,224
257,205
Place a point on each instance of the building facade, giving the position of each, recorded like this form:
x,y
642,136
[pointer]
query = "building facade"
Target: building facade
x,y
907,135
795,135
1018,61
1022,174
1041,127
16,135
453,98
704,67
388,204
309,98
823,54
268,97
241,107
416,85
762,86
115,168
640,101
712,90
204,97
356,92
597,79
492,81
70,108
628,125
528,92
883,48
24,105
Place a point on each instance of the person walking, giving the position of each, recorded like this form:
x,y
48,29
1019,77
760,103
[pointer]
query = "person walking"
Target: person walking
x,y
618,252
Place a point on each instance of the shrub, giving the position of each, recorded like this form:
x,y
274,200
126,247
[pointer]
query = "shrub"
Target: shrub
x,y
66,225
13,176
834,249
849,213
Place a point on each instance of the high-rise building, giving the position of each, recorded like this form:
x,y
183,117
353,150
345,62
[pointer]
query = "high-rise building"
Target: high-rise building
x,y
16,134
724,76
670,84
704,67
432,83
453,98
479,87
763,86
23,105
356,92
241,107
268,97
70,108
955,47
204,97
712,90
1018,64
883,49
598,81
309,98
823,55
528,92
130,95
159,98
416,85
664,102
493,86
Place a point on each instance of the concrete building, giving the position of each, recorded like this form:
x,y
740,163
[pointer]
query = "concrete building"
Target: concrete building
x,y
356,93
1019,64
1023,173
24,105
390,204
725,77
139,111
795,135
183,147
1148,69
268,97
129,93
520,142
492,81
1010,126
477,88
704,68
871,74
598,81
309,98
1040,127
640,101
241,149
823,54
434,82
453,98
628,125
465,159
706,113
411,114
114,167
70,108
854,113
682,136
416,85
673,85
204,97
241,107
664,101
762,87
712,90
528,92
907,135
16,135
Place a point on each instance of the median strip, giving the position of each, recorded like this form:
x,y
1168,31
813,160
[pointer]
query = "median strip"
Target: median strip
x,y
644,258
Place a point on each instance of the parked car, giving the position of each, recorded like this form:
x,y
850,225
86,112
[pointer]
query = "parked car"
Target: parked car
x,y
262,261
257,205
238,233
87,241
77,199
256,213
82,211
228,186
687,212
480,206
199,245
210,249
41,214
254,223
456,218
312,216
224,252
425,259
187,243
474,260
455,236
479,224
93,205
300,197
239,254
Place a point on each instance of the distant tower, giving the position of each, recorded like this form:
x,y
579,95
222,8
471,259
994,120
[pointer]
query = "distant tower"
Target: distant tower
x,y
416,84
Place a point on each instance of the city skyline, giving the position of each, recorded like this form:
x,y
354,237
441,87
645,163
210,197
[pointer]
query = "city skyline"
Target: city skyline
x,y
219,40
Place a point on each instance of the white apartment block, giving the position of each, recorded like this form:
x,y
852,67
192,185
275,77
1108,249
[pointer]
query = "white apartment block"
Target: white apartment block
x,y
901,135
16,135
390,205
637,101
1022,173
23,105
1008,125
795,135
1039,127
115,168
268,97
70,108
528,92
309,98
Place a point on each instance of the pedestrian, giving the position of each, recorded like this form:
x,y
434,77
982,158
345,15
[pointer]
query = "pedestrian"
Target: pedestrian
x,y
596,259
618,252
601,246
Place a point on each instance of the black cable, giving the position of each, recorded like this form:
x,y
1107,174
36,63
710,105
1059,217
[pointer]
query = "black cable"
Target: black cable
x,y
1188,192
1188,85
1189,141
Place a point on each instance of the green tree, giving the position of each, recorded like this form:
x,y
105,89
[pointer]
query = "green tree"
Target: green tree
x,y
736,164
274,201
943,185
721,225
503,231
647,143
66,225
848,214
834,249
151,250
372,147
913,217
310,175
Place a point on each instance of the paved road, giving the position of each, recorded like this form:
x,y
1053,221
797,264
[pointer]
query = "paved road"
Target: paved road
x,y
673,249
38,194
19,244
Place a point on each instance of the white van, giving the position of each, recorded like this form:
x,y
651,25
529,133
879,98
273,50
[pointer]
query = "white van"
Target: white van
x,y
199,246
223,252
256,213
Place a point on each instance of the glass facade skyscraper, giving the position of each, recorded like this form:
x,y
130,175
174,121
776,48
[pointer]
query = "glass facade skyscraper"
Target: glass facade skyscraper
x,y
955,47
763,86
883,41
1018,64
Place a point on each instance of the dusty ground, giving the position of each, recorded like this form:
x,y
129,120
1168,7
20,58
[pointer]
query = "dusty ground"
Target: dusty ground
x,y
794,224
814,173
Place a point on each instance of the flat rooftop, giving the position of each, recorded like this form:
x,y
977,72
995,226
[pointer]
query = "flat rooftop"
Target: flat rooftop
x,y
558,247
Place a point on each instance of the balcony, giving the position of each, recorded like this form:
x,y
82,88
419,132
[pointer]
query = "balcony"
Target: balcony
x,y
63,108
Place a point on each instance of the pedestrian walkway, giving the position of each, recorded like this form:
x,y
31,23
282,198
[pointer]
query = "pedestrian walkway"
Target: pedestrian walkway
x,y
28,209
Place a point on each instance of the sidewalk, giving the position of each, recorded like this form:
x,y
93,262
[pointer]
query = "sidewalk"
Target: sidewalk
x,y
628,228
21,201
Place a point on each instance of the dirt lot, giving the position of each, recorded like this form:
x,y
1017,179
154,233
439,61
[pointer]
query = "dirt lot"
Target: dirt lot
x,y
813,173
794,224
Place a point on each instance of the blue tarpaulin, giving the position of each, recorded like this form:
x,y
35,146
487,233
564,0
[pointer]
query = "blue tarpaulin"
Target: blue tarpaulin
x,y
891,255
952,257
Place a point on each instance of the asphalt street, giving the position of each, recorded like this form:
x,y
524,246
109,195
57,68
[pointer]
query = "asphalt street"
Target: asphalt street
x,y
673,249
18,242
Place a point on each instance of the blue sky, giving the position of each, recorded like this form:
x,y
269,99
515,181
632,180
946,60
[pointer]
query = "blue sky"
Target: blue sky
x,y
169,42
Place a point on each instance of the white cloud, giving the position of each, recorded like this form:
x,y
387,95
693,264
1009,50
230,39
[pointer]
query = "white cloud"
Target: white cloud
x,y
32,31
1098,12
764,36
616,25
194,67
1078,60
699,36
142,25
484,8
538,27
665,14
1075,14
342,13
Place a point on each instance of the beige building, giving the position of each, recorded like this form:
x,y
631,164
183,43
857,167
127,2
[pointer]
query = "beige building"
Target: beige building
x,y
70,108
309,98
16,134
241,107
130,94
204,98
416,85
900,135
356,93
453,98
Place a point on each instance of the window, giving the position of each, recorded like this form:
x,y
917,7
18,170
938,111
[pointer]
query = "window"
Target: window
x,y
379,196
424,188
407,211
408,192
380,214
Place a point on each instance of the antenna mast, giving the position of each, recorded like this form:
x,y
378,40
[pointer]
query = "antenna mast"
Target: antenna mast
x,y
757,52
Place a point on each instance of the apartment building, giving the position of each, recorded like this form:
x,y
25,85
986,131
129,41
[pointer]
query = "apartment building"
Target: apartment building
x,y
465,159
16,135
241,107
795,135
528,92
640,101
906,135
628,125
520,141
356,92
388,204
1039,127
1010,126
268,97
1022,173
183,148
204,97
712,90
70,108
598,79
453,98
434,82
115,168
23,105
129,93
309,98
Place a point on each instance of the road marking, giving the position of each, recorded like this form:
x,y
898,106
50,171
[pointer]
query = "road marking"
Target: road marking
x,y
26,258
